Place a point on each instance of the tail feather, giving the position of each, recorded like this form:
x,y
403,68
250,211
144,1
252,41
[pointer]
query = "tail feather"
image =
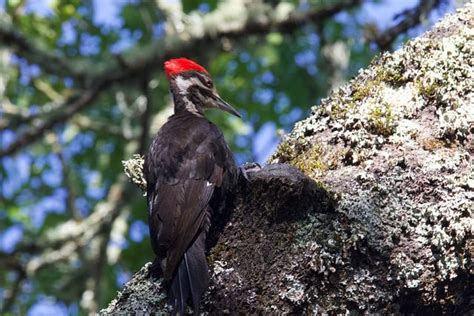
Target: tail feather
x,y
191,278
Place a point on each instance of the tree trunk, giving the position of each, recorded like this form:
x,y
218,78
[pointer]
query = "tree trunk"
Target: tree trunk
x,y
378,218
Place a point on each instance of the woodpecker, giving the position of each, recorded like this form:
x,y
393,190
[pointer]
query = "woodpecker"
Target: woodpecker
x,y
188,166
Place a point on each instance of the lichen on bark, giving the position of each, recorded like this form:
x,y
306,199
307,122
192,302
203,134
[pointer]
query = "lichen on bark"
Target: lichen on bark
x,y
402,132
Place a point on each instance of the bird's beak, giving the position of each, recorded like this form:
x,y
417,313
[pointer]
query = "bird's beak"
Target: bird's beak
x,y
221,104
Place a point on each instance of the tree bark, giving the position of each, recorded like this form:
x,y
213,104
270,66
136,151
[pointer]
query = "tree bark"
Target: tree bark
x,y
377,219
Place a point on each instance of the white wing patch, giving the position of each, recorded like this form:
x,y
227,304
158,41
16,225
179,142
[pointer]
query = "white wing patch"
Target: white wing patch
x,y
209,184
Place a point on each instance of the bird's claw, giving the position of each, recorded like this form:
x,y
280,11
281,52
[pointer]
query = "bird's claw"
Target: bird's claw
x,y
247,168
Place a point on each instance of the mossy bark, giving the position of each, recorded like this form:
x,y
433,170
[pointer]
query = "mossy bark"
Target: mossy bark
x,y
379,217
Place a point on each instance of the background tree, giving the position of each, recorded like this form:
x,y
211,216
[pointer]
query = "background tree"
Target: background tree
x,y
82,89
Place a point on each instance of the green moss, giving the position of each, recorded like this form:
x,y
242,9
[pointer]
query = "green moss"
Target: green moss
x,y
362,91
323,186
288,150
428,91
310,161
365,89
390,76
284,152
340,108
382,119
302,155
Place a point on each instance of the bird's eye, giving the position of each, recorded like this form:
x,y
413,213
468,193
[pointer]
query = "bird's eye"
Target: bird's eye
x,y
208,83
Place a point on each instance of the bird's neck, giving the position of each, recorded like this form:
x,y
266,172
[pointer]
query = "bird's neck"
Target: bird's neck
x,y
185,103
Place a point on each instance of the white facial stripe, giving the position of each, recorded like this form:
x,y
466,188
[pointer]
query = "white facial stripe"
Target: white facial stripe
x,y
190,106
183,84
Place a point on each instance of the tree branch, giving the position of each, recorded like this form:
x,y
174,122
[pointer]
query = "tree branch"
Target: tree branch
x,y
86,123
411,18
72,106
11,294
15,116
72,235
260,19
32,51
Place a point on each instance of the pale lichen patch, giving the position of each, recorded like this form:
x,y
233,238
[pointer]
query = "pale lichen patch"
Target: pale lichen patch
x,y
403,132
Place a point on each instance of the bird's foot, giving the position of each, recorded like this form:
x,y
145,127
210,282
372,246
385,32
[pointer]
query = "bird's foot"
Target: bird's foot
x,y
249,167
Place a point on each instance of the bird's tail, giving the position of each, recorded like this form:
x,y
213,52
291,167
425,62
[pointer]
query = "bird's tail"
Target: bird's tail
x,y
191,279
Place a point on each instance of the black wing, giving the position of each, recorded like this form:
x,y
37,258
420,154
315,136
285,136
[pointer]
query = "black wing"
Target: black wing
x,y
183,167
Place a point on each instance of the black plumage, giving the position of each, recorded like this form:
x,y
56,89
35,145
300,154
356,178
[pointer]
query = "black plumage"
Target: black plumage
x,y
187,166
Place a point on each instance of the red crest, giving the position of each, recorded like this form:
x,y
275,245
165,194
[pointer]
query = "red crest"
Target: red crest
x,y
178,65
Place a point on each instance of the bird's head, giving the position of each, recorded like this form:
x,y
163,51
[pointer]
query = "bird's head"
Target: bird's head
x,y
192,87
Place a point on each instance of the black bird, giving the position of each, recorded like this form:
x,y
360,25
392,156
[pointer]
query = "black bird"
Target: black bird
x,y
188,165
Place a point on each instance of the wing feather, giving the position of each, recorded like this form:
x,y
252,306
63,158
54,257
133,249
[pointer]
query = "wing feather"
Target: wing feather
x,y
180,189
